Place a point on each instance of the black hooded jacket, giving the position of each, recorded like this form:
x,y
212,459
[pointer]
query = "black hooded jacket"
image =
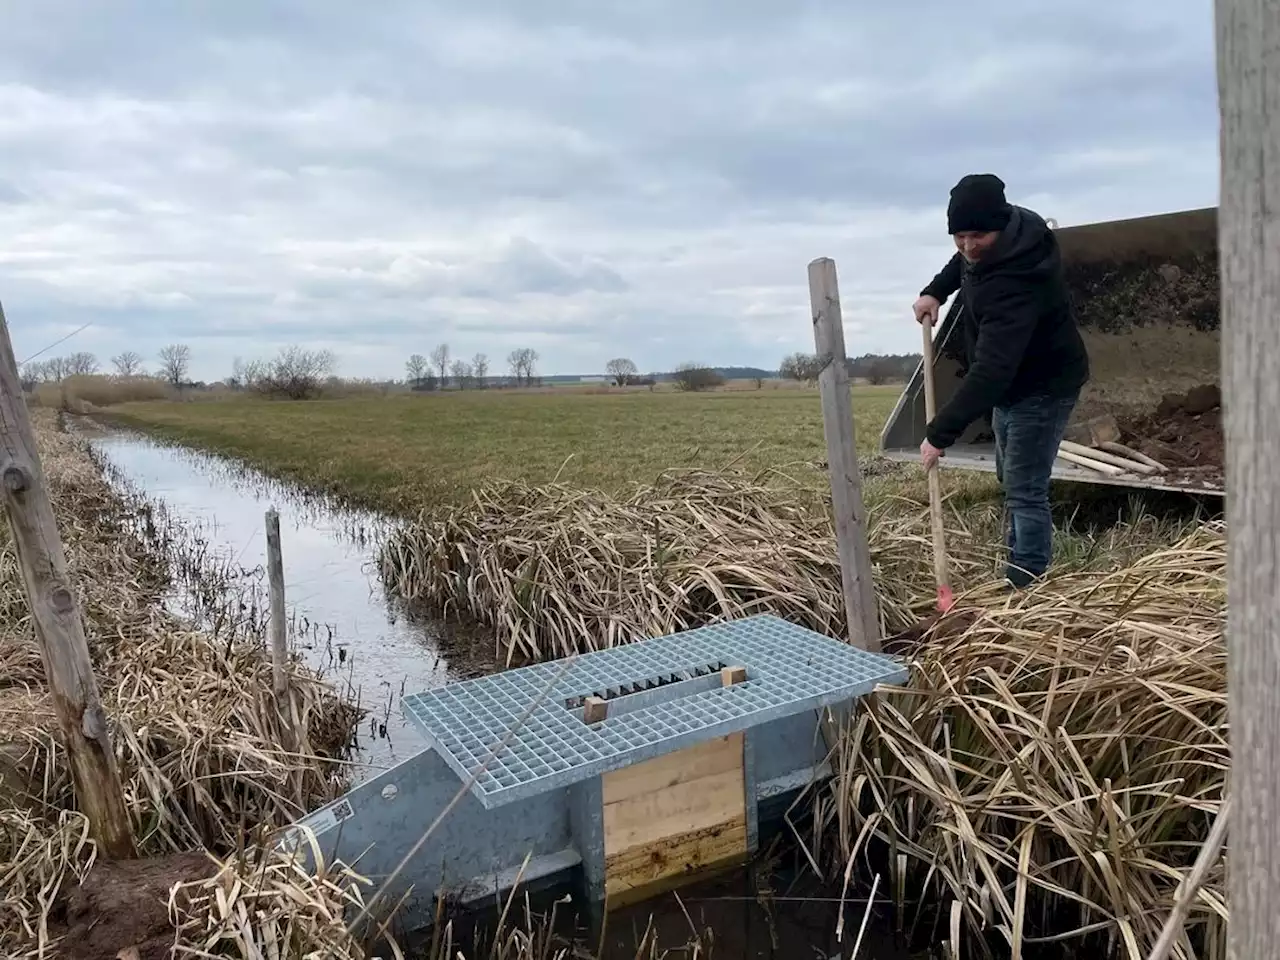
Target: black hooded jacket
x,y
1020,337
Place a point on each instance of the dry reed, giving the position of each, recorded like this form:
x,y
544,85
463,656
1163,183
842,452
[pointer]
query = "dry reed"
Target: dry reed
x,y
1058,755
1052,771
555,569
196,732
198,743
99,390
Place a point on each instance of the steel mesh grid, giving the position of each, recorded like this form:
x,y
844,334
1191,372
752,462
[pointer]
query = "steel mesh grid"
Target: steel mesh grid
x,y
789,669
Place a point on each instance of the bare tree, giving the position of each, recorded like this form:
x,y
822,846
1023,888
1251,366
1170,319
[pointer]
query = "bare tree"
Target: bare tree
x,y
54,369
294,374
128,363
416,367
480,368
522,361
175,362
461,374
440,357
621,370
37,371
82,364
804,367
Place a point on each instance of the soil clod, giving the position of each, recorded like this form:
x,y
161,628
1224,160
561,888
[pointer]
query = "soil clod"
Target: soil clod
x,y
125,903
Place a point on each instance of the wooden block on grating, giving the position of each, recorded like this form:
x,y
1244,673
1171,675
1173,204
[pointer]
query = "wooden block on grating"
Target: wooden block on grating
x,y
731,675
595,709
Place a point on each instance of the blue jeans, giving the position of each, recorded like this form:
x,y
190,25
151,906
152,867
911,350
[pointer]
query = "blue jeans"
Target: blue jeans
x,y
1027,436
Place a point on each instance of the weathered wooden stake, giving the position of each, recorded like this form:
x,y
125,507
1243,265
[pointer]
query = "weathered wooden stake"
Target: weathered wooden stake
x,y
1248,48
842,457
275,580
55,614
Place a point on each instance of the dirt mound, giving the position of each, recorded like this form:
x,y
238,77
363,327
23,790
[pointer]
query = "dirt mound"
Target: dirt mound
x,y
125,903
1146,292
1184,433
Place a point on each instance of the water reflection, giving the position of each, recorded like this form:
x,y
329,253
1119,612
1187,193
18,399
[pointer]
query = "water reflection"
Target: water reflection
x,y
341,619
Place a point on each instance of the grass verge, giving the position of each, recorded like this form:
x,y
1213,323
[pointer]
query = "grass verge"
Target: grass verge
x,y
403,453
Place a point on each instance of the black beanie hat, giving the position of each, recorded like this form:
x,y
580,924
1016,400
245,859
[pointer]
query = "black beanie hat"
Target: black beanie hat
x,y
978,203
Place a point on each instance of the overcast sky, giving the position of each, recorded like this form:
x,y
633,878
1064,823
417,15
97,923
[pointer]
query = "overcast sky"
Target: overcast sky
x,y
590,178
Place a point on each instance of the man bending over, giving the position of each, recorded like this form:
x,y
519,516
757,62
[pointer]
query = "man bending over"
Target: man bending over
x,y
1024,359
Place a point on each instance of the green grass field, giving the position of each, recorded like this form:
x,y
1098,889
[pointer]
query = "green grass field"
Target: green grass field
x,y
401,453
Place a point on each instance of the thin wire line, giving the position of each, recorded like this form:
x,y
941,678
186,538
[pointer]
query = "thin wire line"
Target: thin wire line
x,y
55,343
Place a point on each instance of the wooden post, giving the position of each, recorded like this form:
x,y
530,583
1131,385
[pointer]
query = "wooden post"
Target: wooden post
x,y
275,580
842,457
56,618
1248,48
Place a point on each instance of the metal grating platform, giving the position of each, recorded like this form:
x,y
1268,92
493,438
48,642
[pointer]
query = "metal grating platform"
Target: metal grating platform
x,y
790,669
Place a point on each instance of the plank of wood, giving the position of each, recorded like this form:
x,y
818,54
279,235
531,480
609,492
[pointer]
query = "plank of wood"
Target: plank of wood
x,y
1089,463
645,871
661,773
1248,47
673,817
1113,446
1102,455
842,458
693,804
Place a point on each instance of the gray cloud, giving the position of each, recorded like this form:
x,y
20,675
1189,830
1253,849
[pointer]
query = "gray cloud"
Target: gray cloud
x,y
647,179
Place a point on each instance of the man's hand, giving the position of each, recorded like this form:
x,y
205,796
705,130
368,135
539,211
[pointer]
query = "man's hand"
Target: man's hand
x,y
927,306
929,454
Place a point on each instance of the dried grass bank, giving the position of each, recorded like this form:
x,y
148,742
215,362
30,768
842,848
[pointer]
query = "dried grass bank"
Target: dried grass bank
x,y
197,737
1055,762
200,753
558,569
1050,774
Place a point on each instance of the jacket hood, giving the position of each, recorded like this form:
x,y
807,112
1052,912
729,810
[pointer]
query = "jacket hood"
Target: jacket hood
x,y
1026,247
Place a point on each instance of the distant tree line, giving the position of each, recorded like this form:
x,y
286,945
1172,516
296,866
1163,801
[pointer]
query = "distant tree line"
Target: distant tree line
x,y
439,373
173,363
872,367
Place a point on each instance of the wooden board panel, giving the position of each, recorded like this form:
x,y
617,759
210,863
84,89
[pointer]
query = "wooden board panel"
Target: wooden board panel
x,y
674,817
704,759
646,870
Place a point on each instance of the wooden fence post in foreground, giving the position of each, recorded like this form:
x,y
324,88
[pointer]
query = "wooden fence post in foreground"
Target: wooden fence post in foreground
x,y
842,457
55,614
275,581
1248,57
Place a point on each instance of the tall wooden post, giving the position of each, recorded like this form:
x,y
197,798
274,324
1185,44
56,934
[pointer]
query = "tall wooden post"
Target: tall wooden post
x,y
55,614
1248,47
842,457
275,581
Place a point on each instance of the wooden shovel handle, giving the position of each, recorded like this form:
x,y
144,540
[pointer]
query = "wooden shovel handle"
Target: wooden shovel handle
x,y
941,568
